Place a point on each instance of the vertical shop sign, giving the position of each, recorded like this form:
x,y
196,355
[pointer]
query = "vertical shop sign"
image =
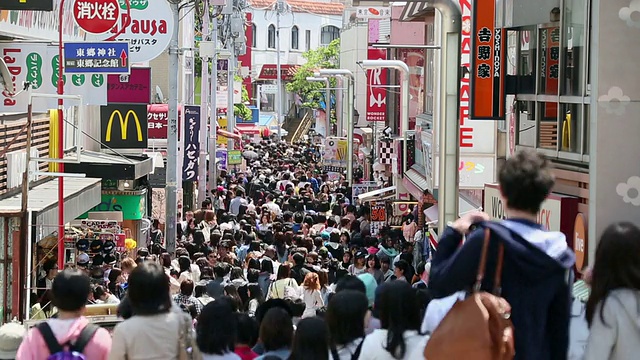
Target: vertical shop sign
x,y
549,63
191,143
487,64
376,91
378,217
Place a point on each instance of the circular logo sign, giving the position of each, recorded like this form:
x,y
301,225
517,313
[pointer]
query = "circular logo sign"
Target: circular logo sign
x,y
148,30
580,241
96,16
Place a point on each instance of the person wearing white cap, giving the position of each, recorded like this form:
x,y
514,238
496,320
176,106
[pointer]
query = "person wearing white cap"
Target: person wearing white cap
x,y
11,335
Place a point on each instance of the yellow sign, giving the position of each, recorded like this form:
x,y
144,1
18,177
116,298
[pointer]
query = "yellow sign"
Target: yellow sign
x,y
124,122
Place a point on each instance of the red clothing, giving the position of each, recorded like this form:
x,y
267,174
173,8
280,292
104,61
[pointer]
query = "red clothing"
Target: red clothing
x,y
245,353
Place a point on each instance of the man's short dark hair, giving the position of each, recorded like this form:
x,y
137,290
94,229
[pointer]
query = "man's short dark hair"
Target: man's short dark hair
x,y
526,179
219,271
70,290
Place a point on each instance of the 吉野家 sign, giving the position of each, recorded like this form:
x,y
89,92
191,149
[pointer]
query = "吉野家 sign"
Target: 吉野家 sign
x,y
107,57
124,126
234,157
488,71
191,143
38,5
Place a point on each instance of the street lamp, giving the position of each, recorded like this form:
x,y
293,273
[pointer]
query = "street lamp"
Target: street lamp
x,y
404,100
350,103
327,100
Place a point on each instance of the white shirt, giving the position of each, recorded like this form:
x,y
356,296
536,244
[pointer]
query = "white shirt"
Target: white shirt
x,y
274,208
375,343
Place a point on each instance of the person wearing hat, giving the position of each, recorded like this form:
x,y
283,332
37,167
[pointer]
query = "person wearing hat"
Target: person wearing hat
x,y
359,265
11,335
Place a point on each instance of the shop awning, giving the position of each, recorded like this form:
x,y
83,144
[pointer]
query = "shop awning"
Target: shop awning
x,y
378,195
414,10
464,207
80,195
107,166
248,129
229,135
417,179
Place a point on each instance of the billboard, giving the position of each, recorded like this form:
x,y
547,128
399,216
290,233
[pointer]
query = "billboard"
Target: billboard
x,y
124,126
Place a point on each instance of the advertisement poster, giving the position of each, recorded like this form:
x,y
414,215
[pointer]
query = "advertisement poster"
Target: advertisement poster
x,y
334,156
378,217
415,60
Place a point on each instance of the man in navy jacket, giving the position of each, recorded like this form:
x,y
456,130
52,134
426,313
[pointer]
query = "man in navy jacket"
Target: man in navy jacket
x,y
536,278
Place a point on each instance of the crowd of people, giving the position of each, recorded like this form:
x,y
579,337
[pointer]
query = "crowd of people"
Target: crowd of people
x,y
281,263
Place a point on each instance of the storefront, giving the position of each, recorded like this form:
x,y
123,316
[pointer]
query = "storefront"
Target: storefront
x,y
18,270
557,213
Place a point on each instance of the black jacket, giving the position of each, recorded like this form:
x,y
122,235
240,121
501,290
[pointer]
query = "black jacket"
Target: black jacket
x,y
536,280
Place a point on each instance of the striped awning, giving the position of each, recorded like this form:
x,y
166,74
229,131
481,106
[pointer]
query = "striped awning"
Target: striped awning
x,y
414,10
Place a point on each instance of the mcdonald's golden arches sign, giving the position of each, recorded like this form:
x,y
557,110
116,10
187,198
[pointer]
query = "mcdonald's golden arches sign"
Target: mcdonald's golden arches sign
x,y
124,126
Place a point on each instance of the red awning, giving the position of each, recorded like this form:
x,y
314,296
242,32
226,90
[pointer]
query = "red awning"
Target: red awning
x,y
248,129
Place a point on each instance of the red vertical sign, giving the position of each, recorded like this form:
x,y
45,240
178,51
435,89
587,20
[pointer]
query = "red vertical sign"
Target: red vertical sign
x,y
376,88
245,60
549,63
487,64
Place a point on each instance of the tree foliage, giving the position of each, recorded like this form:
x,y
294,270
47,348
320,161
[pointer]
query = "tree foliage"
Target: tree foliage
x,y
241,110
324,57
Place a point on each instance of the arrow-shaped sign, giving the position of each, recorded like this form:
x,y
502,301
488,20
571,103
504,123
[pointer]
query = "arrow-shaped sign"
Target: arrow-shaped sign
x,y
123,58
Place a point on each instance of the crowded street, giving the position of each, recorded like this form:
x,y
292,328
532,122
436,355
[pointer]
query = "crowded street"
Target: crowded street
x,y
319,180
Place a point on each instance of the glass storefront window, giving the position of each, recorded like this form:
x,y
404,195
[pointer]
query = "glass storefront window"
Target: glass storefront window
x,y
573,46
549,59
548,132
527,61
571,131
587,127
526,123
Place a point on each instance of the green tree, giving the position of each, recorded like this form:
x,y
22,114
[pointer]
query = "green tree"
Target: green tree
x,y
241,110
311,92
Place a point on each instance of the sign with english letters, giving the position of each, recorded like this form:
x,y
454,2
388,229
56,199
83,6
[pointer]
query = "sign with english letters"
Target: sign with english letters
x,y
557,212
376,91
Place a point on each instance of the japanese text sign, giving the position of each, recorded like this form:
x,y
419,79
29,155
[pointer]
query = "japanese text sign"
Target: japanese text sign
x,y
549,62
40,5
378,212
488,71
148,29
136,88
376,91
124,126
191,143
234,157
221,157
107,57
377,12
96,16
38,64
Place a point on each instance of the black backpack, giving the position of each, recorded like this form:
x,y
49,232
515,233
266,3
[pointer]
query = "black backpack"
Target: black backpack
x,y
68,351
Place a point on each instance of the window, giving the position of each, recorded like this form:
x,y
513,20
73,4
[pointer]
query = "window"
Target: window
x,y
573,47
271,37
253,35
294,37
307,35
328,34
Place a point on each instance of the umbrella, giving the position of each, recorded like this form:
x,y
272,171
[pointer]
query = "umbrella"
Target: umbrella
x,y
251,155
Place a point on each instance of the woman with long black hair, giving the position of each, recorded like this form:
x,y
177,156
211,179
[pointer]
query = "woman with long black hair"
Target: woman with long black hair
x,y
311,340
399,337
613,308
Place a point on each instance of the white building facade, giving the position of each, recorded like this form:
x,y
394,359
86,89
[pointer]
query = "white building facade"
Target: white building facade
x,y
304,25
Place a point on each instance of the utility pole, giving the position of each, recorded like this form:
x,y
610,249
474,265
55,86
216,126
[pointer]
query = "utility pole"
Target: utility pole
x,y
213,116
231,120
204,105
279,8
171,188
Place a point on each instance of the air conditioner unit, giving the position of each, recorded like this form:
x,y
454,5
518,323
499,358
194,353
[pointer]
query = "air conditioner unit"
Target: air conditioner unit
x,y
16,164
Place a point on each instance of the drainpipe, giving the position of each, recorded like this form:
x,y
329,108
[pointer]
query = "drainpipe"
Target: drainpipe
x,y
448,121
